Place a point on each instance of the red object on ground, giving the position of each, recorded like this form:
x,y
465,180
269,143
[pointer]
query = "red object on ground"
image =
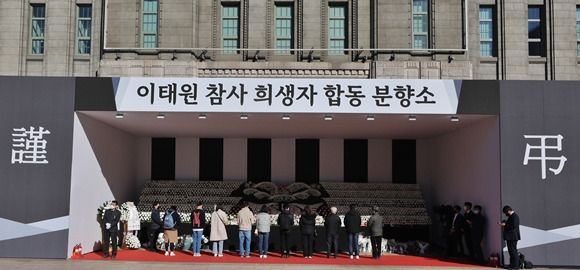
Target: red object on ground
x,y
274,258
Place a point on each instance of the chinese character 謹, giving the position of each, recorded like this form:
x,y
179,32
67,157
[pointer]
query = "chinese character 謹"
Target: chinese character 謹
x,y
29,146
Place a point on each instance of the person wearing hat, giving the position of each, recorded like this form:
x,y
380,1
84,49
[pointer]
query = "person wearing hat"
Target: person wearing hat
x,y
375,225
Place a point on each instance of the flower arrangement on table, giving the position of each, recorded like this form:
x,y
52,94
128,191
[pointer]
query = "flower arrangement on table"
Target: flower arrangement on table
x,y
145,216
132,241
185,217
232,220
319,220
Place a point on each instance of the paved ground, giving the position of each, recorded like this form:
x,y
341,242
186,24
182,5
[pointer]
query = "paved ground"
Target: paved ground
x,y
56,264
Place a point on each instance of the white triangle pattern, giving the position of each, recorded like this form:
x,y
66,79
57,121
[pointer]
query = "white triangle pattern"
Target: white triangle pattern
x,y
532,237
12,229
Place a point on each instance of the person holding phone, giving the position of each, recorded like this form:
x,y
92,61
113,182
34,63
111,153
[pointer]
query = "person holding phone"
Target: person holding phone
x,y
511,234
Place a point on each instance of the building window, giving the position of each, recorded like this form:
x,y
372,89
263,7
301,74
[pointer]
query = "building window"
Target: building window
x,y
230,28
486,31
84,15
37,22
578,30
420,24
149,29
284,28
535,32
337,28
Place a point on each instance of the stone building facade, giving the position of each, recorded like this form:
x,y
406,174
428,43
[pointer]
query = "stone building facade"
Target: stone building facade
x,y
419,39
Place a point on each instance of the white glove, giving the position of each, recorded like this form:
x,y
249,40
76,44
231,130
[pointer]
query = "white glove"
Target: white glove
x,y
108,226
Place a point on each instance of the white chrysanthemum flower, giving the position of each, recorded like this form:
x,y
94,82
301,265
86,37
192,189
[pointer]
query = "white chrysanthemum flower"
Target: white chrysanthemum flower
x,y
132,241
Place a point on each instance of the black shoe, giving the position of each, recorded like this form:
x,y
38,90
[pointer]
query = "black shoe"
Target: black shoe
x,y
114,256
106,255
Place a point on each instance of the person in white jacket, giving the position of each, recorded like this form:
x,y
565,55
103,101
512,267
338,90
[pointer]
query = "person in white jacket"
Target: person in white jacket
x,y
245,221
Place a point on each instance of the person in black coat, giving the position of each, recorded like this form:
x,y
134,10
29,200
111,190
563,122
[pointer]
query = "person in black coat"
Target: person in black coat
x,y
111,219
332,224
477,226
511,234
307,222
468,215
285,221
456,233
154,227
352,222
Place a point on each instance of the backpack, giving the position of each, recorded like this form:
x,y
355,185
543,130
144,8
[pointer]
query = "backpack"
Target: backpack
x,y
523,263
284,222
168,222
196,222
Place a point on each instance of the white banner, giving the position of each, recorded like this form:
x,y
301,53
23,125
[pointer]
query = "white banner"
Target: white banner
x,y
287,95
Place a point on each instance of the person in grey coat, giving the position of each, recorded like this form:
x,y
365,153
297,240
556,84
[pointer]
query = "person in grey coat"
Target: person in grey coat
x,y
263,223
375,225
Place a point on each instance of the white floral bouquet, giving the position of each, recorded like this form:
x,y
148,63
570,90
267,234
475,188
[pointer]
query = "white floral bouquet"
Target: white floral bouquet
x,y
124,211
185,217
132,241
101,210
232,219
297,219
145,216
274,219
319,220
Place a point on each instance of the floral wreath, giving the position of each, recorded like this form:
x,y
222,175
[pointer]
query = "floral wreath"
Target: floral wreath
x,y
132,241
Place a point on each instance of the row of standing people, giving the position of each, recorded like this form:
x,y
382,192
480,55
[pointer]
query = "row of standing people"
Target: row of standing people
x,y
246,219
468,227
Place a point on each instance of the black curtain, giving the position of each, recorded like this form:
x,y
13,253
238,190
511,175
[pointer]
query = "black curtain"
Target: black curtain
x,y
259,160
211,159
308,160
356,161
163,159
404,161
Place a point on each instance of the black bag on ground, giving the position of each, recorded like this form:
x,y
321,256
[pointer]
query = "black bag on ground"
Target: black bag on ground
x,y
523,263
